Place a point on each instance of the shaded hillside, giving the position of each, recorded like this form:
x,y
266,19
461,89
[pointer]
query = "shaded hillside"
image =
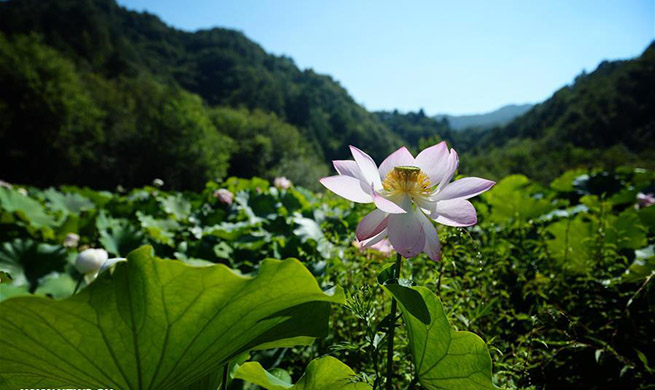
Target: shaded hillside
x,y
415,127
499,117
222,66
603,119
117,97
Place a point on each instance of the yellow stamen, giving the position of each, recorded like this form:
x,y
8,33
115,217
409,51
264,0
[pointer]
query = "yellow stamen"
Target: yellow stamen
x,y
407,180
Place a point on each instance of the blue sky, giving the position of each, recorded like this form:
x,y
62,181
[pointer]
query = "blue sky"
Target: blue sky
x,y
443,56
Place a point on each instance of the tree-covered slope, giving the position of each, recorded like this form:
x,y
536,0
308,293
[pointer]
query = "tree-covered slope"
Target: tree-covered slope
x,y
222,66
604,118
94,94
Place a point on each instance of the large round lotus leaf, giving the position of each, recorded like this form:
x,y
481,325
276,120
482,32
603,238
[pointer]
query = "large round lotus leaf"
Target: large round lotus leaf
x,y
158,324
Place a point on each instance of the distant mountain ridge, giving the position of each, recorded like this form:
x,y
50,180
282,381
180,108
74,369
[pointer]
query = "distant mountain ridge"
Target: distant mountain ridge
x,y
603,119
499,117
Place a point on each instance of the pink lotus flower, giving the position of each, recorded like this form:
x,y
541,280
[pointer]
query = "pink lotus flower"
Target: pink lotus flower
x,y
645,200
282,183
408,192
224,196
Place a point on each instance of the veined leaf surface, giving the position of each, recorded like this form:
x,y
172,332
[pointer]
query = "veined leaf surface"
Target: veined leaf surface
x,y
158,324
444,359
326,373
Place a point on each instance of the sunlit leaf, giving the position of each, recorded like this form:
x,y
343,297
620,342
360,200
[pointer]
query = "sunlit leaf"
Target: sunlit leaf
x,y
642,267
31,210
444,359
176,206
160,230
564,183
67,202
326,373
158,324
512,199
573,243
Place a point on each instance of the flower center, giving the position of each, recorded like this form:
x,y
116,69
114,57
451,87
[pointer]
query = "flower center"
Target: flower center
x,y
407,180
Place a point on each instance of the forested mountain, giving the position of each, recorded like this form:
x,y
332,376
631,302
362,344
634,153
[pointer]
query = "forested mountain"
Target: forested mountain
x,y
499,117
415,128
94,94
603,119
103,44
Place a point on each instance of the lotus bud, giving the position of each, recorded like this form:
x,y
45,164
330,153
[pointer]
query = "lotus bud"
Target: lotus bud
x,y
71,240
22,191
159,183
282,183
224,196
90,261
645,200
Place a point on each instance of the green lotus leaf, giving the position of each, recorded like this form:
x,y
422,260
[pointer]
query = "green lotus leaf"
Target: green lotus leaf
x,y
27,261
32,211
626,231
176,206
444,359
159,230
67,202
158,324
118,236
326,373
512,199
642,267
573,244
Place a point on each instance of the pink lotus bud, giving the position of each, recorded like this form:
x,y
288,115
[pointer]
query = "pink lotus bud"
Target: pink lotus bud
x,y
282,183
71,240
224,196
645,200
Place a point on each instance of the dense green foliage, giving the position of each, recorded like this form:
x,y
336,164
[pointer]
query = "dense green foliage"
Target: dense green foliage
x,y
120,49
557,277
558,280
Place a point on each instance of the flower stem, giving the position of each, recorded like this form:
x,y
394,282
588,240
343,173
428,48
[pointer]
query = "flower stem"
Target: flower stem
x,y
77,286
226,372
392,327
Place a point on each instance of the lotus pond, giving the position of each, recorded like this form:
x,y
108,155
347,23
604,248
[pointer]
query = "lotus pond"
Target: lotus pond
x,y
263,285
